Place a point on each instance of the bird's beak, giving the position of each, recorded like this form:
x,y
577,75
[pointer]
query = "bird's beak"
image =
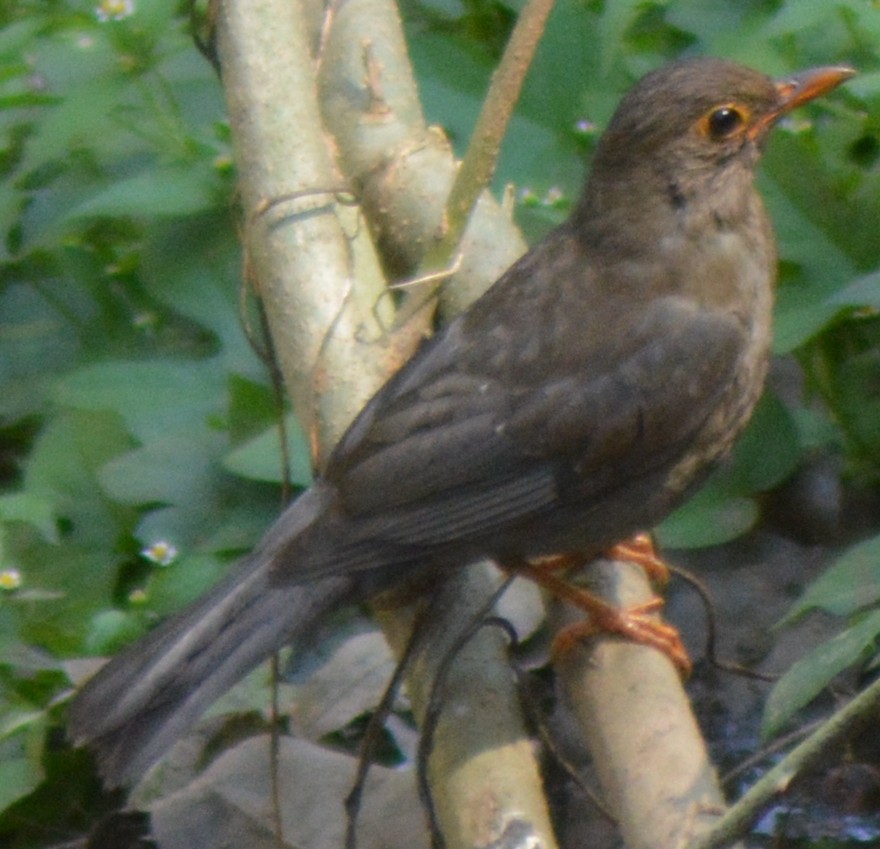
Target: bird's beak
x,y
798,89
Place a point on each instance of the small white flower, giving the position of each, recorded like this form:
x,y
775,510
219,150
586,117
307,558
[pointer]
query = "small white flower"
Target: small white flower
x,y
138,596
223,162
114,10
553,197
161,553
10,579
527,197
145,319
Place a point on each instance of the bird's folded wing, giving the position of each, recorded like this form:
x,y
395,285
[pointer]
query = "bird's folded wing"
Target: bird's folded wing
x,y
450,456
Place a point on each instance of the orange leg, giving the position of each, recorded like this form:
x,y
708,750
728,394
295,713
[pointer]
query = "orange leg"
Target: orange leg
x,y
641,550
638,549
636,623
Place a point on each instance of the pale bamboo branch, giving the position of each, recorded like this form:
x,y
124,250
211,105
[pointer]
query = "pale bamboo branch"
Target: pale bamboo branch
x,y
649,754
484,773
308,249
478,165
402,169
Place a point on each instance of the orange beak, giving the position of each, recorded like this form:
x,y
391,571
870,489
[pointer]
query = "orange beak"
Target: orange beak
x,y
799,89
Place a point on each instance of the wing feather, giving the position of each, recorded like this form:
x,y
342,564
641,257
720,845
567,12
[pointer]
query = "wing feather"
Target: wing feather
x,y
450,456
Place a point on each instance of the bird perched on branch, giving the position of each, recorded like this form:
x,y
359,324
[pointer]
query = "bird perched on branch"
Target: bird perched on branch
x,y
577,402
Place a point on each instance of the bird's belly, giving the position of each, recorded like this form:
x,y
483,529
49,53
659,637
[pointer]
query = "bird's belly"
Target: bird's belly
x,y
715,438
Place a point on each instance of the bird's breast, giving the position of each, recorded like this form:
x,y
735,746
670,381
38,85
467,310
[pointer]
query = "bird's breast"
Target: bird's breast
x,y
738,276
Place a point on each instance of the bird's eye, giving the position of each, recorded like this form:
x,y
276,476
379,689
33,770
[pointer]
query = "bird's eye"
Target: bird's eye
x,y
722,122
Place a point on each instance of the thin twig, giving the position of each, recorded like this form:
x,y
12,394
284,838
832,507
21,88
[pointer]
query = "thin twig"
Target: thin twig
x,y
342,194
275,755
277,381
371,738
710,650
481,158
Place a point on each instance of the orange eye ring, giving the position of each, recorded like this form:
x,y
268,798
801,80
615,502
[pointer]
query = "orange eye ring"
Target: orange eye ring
x,y
724,121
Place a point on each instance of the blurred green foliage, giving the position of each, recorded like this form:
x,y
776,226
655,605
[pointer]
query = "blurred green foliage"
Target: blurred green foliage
x,y
133,411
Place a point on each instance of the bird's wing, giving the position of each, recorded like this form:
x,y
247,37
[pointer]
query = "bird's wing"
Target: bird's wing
x,y
449,452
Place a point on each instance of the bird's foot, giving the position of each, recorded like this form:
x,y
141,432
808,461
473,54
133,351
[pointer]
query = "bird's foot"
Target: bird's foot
x,y
640,549
638,623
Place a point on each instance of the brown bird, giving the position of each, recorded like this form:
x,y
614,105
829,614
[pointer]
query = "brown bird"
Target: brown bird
x,y
576,403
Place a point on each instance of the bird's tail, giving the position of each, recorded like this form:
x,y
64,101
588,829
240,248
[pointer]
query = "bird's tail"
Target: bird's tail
x,y
142,700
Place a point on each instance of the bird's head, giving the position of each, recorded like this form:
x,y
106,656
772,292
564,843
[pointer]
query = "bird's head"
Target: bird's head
x,y
681,127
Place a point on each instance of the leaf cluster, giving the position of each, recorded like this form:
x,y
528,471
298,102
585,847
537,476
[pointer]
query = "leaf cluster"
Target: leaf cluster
x,y
134,416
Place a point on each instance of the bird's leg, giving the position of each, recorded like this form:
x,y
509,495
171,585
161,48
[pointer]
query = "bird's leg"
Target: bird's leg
x,y
637,623
640,549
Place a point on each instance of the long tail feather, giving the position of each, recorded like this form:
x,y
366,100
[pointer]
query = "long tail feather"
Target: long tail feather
x,y
137,705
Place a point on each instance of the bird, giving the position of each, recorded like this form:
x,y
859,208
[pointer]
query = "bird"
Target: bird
x,y
576,403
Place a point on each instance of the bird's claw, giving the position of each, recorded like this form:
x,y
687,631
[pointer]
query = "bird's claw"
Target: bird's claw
x,y
640,549
636,624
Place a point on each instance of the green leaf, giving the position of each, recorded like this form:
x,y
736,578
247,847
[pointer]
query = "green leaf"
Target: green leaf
x,y
159,191
858,399
219,525
36,343
803,210
203,282
811,674
796,16
799,318
176,585
73,123
707,22
110,630
866,85
206,509
252,407
63,466
862,292
18,778
16,36
70,583
27,99
851,583
768,451
36,510
614,23
713,516
176,469
816,430
16,719
154,398
260,458
154,17
453,74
